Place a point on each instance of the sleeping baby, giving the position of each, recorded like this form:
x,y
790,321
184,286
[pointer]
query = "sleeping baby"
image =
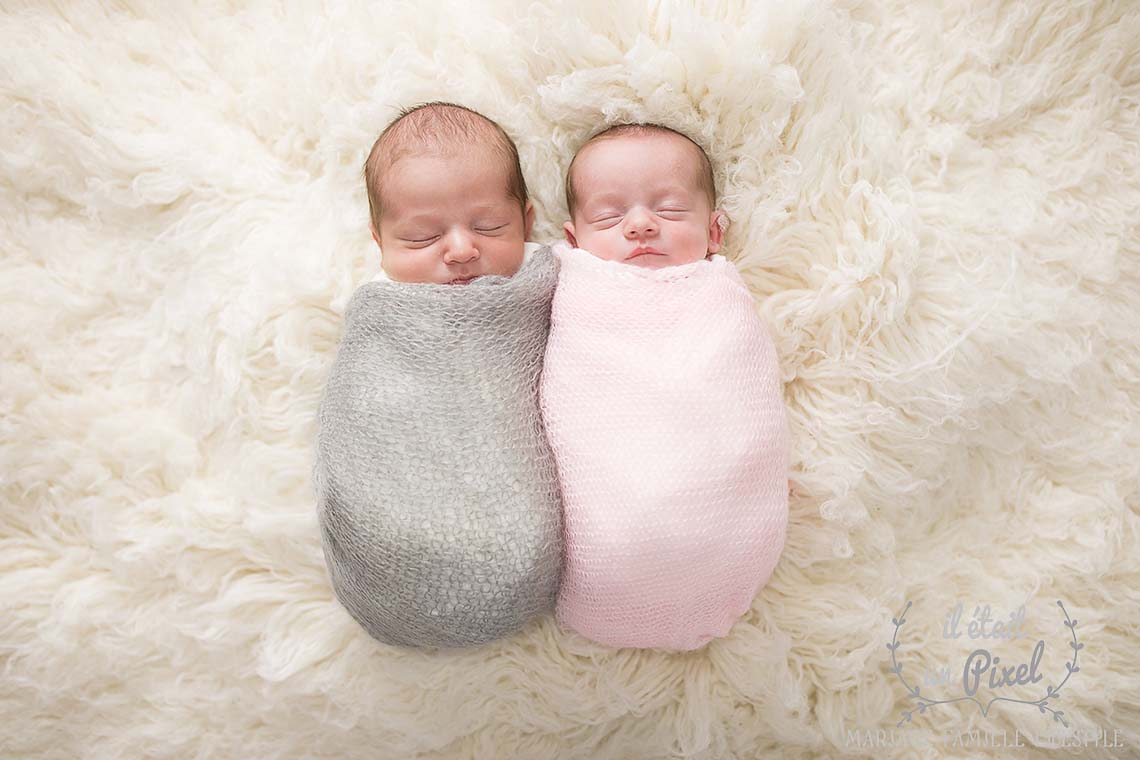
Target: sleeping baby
x,y
662,400
437,493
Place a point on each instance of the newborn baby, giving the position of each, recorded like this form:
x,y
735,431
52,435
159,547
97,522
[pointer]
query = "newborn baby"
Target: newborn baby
x,y
662,400
437,493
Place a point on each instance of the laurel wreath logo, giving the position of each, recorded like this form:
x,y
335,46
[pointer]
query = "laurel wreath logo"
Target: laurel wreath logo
x,y
1042,704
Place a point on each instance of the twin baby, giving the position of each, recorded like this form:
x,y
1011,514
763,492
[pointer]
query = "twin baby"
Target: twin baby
x,y
594,428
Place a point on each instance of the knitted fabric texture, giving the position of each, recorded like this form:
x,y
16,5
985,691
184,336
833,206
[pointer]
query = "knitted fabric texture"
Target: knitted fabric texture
x,y
437,492
663,405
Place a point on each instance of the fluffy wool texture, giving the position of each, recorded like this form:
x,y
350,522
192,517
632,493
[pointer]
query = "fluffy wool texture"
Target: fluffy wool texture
x,y
662,401
936,207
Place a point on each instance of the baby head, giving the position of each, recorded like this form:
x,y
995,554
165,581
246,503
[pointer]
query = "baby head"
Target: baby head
x,y
643,194
446,196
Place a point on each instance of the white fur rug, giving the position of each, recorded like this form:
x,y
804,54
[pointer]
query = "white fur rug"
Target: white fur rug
x,y
938,213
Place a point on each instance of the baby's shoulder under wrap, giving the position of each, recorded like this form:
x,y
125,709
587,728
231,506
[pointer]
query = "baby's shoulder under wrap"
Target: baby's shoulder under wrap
x,y
663,404
437,493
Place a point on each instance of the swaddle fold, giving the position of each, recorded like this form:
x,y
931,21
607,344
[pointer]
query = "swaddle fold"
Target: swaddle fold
x,y
663,406
437,494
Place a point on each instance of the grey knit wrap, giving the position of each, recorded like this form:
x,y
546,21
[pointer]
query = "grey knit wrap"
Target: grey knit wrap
x,y
437,491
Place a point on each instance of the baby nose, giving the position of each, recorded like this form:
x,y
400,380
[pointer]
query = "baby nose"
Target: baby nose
x,y
461,247
638,222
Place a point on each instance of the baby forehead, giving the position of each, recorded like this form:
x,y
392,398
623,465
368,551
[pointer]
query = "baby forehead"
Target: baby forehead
x,y
456,148
642,162
454,163
665,146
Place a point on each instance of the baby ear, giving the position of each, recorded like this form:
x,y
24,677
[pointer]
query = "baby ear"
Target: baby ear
x,y
528,220
568,228
375,234
718,223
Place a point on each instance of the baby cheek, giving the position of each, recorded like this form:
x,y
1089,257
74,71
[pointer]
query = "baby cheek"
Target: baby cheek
x,y
689,235
696,243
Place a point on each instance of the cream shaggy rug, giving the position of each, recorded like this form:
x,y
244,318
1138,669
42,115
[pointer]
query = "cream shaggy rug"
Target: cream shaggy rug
x,y
937,211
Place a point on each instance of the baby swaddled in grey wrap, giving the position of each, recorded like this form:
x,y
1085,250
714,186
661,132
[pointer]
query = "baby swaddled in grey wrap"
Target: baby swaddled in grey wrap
x,y
437,491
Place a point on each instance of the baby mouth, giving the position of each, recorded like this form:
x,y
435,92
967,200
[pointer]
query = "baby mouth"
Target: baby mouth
x,y
463,280
644,252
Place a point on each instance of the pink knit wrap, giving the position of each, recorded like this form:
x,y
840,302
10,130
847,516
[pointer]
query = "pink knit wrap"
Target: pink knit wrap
x,y
662,401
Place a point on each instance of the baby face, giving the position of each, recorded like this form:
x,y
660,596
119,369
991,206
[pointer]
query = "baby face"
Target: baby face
x,y
448,219
640,202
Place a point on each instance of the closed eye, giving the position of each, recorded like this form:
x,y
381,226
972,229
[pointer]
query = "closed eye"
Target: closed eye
x,y
420,241
608,220
486,230
672,210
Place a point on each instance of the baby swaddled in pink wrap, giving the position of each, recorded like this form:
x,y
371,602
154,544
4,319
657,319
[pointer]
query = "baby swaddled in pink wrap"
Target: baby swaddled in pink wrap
x,y
662,403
